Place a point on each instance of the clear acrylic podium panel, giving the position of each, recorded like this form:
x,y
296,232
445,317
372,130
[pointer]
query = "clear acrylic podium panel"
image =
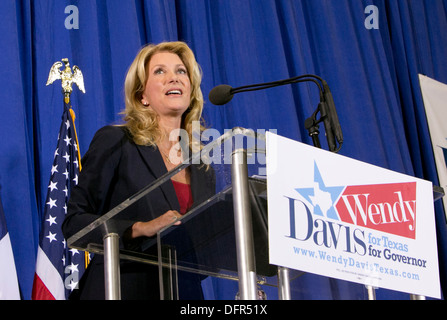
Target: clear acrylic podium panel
x,y
204,243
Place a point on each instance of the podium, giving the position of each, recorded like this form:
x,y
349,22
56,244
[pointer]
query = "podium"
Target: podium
x,y
225,236
215,238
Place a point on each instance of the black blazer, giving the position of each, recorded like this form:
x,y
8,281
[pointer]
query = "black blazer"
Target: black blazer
x,y
113,169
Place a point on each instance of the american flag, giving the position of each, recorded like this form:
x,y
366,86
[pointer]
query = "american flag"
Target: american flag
x,y
59,268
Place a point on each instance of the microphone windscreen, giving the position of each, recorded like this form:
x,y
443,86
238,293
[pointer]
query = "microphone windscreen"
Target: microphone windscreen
x,y
220,95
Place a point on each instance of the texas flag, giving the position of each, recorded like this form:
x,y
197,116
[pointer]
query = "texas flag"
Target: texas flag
x,y
434,94
9,287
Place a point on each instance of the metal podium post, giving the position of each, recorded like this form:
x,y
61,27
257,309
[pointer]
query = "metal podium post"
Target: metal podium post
x,y
243,226
112,266
417,297
284,283
371,292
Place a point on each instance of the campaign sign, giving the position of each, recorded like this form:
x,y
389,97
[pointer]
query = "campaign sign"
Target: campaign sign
x,y
346,219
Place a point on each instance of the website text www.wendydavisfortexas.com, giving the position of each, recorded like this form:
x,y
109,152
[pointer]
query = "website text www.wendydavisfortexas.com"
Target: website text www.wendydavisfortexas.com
x,y
366,268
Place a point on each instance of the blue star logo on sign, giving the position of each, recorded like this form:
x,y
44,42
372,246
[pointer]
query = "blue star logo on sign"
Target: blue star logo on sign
x,y
321,197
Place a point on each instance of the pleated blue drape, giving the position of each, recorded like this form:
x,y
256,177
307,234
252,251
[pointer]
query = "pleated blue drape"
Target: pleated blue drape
x,y
373,75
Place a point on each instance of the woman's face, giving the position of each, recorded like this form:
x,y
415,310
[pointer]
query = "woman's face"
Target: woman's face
x,y
168,87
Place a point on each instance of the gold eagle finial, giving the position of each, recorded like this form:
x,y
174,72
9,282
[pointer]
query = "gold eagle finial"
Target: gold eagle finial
x,y
67,77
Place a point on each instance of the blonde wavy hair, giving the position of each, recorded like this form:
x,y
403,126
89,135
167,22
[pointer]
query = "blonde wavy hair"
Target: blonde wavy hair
x,y
141,121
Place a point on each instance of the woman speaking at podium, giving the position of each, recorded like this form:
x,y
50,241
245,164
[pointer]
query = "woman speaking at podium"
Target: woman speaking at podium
x,y
162,94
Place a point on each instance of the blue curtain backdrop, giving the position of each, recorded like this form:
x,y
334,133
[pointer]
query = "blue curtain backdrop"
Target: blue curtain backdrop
x,y
373,75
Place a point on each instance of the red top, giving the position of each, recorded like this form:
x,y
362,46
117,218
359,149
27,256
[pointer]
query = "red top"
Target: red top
x,y
184,195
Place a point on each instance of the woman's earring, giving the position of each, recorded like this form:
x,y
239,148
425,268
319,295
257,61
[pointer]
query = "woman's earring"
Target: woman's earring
x,y
145,103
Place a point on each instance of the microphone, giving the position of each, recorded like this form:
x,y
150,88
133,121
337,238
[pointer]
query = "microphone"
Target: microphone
x,y
223,94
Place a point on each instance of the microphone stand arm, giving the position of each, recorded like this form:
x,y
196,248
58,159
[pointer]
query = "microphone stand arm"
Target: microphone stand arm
x,y
303,78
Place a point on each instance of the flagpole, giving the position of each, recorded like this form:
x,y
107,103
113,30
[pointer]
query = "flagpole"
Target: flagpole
x,y
58,268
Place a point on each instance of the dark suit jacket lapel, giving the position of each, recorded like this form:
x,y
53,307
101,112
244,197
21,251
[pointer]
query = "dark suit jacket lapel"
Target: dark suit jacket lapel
x,y
154,162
